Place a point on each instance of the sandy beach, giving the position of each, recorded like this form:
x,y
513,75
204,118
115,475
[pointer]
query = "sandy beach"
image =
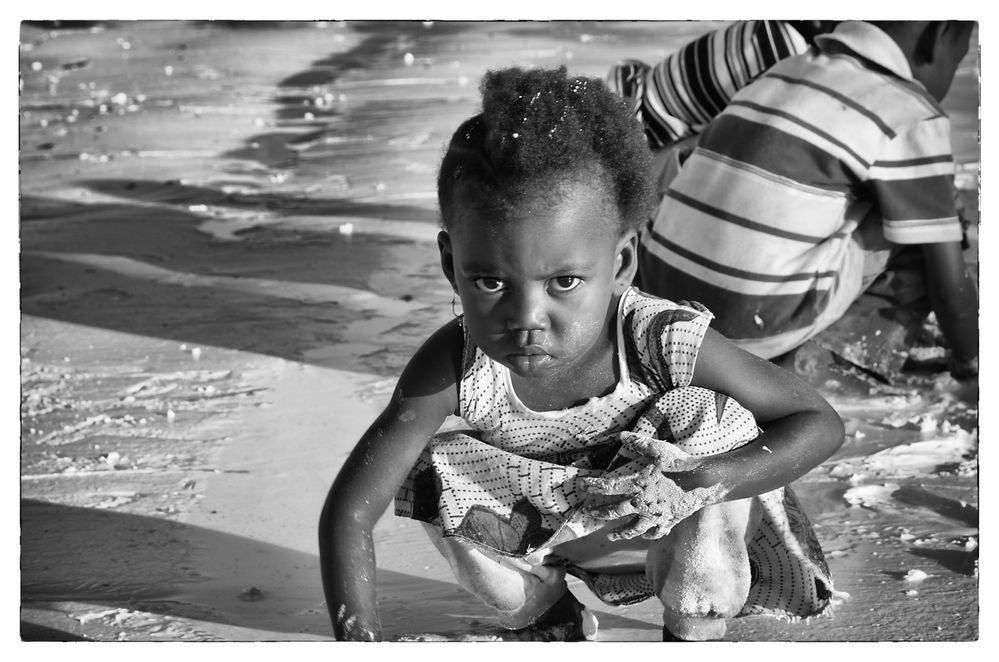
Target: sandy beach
x,y
228,253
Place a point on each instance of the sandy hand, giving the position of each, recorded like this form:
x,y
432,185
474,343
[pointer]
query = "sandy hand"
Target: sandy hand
x,y
657,502
348,628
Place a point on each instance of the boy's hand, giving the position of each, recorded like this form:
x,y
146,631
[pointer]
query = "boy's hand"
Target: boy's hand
x,y
657,502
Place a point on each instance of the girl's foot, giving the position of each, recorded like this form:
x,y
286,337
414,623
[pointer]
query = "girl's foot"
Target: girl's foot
x,y
566,620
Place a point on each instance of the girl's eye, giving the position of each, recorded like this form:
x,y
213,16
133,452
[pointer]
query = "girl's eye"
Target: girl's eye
x,y
565,283
489,284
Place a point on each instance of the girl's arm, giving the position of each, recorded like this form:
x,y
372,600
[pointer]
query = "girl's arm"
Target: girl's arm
x,y
800,429
425,395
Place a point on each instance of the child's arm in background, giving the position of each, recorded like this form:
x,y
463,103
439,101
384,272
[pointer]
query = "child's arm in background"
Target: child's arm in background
x,y
800,429
425,395
954,299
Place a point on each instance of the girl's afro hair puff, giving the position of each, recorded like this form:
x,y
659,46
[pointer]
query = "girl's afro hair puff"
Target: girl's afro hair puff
x,y
540,122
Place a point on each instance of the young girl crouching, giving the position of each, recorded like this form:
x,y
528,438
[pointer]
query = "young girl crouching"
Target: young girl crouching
x,y
592,445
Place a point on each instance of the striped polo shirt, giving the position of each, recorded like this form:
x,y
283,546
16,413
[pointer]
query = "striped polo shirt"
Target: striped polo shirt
x,y
758,224
678,96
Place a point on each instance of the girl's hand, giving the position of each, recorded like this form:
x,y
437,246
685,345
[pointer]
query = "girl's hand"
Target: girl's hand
x,y
657,501
348,628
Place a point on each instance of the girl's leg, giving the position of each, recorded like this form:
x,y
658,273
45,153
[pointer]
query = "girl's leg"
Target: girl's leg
x,y
700,570
519,591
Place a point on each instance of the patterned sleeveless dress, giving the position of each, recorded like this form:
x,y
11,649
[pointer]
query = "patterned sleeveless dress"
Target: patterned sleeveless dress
x,y
508,482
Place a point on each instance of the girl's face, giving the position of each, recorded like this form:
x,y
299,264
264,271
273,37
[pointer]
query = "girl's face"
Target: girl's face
x,y
539,288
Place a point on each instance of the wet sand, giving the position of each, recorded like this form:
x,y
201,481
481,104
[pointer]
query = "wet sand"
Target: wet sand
x,y
227,255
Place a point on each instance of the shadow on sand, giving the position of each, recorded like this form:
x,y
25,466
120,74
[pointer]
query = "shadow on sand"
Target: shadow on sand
x,y
150,565
155,226
186,286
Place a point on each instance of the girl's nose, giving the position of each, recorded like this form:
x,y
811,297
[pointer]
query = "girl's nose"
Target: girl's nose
x,y
527,311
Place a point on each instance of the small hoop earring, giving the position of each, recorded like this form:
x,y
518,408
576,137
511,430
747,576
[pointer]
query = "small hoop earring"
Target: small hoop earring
x,y
454,310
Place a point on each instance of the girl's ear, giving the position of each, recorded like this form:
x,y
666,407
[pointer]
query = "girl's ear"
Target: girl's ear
x,y
626,262
447,257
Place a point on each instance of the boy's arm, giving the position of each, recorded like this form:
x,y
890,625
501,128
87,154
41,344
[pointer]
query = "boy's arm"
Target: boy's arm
x,y
912,180
800,429
954,299
425,395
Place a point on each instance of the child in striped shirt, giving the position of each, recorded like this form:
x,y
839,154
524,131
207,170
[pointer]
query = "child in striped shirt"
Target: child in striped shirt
x,y
676,98
828,176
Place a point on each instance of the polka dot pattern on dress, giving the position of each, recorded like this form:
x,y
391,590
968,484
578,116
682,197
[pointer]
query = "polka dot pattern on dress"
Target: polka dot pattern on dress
x,y
509,481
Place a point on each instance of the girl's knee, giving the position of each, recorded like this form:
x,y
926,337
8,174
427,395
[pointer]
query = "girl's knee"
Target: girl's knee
x,y
706,596
709,540
538,598
507,594
701,569
518,591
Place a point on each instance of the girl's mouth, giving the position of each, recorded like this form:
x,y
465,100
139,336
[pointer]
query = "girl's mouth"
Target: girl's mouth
x,y
529,358
530,350
525,363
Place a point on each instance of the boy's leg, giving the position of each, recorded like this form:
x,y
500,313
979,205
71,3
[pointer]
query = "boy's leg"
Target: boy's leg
x,y
524,594
700,570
